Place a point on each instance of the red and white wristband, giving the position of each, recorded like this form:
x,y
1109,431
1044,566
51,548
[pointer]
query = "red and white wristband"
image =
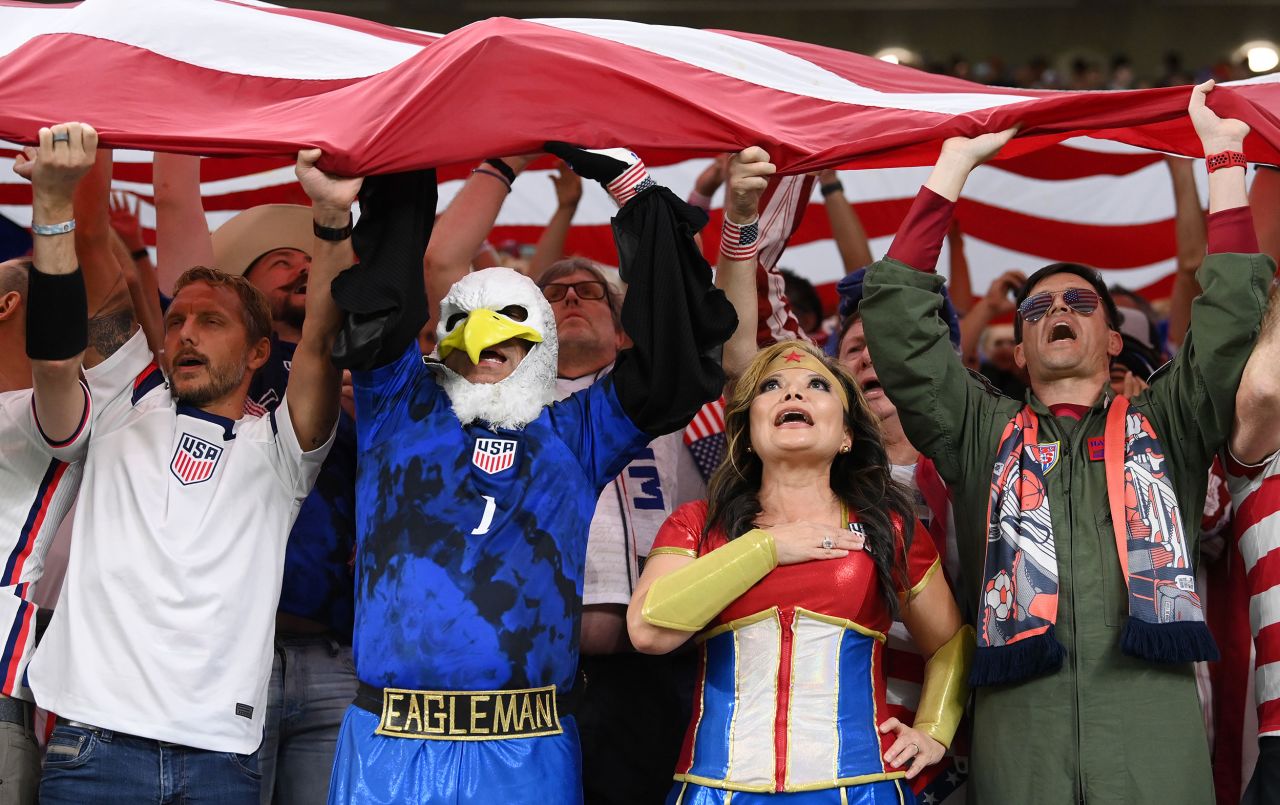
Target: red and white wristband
x,y
1225,159
740,242
632,181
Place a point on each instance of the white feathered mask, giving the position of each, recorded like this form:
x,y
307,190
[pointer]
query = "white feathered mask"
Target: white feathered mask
x,y
472,320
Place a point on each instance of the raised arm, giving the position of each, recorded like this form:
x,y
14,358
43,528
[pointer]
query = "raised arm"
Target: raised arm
x,y
748,174
463,226
314,382
139,272
1254,435
677,321
936,396
550,246
960,286
1201,387
1189,230
998,301
846,226
57,310
111,318
1264,201
182,233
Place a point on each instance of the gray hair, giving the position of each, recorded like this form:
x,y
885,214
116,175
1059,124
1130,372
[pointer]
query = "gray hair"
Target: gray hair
x,y
570,265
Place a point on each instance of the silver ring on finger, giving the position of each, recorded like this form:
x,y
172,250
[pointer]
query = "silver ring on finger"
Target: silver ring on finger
x,y
828,543
62,137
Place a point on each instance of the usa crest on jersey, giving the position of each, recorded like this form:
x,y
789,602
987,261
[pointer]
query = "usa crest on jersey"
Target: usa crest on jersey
x,y
494,455
194,460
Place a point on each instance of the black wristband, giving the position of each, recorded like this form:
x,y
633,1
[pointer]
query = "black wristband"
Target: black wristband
x,y
503,168
831,187
57,315
140,254
335,234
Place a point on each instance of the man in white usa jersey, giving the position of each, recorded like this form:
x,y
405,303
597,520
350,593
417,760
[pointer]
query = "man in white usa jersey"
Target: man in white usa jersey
x,y
158,655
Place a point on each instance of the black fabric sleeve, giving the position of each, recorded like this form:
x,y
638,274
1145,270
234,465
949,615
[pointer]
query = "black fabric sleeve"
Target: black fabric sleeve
x,y
677,321
384,296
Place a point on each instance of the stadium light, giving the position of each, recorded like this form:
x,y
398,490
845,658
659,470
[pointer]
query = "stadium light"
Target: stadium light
x,y
1259,56
898,55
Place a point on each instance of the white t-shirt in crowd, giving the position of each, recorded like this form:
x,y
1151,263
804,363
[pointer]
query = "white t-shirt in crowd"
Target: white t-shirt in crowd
x,y
165,622
36,490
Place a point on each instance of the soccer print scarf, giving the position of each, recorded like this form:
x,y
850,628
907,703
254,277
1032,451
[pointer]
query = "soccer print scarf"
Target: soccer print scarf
x,y
1020,593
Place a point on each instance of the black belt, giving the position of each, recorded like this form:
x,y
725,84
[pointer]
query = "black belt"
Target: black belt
x,y
466,715
15,711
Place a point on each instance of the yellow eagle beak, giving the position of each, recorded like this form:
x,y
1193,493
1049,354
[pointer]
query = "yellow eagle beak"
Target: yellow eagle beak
x,y
482,329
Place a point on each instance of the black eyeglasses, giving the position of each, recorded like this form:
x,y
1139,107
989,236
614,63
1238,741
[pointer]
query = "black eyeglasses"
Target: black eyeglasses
x,y
587,289
1081,300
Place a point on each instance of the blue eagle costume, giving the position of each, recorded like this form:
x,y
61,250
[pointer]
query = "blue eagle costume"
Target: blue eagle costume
x,y
473,502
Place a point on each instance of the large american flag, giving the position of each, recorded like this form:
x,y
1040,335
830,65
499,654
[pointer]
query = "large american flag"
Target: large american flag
x,y
239,77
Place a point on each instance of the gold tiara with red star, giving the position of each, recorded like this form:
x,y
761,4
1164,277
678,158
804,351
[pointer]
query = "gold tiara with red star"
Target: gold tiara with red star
x,y
800,359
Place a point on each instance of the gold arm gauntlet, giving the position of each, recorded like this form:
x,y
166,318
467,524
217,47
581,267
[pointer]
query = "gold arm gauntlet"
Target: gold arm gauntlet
x,y
946,687
687,599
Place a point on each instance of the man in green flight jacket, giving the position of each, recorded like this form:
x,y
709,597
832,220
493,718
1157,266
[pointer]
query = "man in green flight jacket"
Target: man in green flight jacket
x,y
1077,511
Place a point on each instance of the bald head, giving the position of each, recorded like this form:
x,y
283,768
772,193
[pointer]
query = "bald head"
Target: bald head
x,y
13,276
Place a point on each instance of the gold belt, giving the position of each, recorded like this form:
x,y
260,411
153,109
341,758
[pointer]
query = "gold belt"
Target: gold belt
x,y
469,715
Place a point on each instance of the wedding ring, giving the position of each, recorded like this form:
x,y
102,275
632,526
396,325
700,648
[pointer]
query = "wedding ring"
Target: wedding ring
x,y
828,543
62,137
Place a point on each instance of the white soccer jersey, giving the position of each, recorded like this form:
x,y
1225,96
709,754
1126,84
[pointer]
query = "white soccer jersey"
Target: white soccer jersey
x,y
167,613
36,491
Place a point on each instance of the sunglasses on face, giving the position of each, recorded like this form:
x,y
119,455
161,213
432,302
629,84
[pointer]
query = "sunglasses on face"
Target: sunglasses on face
x,y
1081,300
587,289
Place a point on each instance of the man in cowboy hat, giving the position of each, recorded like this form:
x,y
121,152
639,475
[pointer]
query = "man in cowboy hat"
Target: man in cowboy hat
x,y
312,680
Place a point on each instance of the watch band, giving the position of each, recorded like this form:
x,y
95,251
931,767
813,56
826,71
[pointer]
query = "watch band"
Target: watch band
x,y
333,233
54,229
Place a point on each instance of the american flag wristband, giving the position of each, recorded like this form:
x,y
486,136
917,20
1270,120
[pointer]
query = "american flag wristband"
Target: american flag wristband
x,y
740,242
632,181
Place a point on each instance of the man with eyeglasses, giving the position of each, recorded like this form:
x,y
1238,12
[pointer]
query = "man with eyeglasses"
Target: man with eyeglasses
x,y
1077,509
627,752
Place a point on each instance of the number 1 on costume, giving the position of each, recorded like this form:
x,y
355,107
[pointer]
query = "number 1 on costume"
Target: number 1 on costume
x,y
487,520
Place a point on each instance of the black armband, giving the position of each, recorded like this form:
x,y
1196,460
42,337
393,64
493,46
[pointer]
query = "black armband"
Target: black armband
x,y
57,315
503,168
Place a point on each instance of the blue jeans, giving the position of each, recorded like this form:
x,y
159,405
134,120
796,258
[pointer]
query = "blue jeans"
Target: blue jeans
x,y
85,765
313,680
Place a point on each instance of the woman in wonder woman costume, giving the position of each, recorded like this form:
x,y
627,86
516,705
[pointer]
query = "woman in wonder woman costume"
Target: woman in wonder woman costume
x,y
789,576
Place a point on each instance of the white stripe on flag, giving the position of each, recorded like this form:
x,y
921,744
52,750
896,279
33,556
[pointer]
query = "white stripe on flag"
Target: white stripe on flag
x,y
771,68
226,37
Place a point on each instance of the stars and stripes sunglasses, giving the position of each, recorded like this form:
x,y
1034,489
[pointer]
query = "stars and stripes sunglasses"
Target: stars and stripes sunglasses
x,y
1081,300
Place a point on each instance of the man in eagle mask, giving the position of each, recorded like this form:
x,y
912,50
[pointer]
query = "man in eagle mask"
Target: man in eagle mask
x,y
475,492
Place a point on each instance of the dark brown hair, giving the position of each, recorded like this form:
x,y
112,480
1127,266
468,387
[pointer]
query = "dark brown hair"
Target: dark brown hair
x,y
861,478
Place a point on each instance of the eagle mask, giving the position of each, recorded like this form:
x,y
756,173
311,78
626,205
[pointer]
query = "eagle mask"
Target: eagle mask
x,y
484,309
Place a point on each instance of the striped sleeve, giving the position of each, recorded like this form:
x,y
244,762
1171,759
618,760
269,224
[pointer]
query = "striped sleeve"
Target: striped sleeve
x,y
1255,495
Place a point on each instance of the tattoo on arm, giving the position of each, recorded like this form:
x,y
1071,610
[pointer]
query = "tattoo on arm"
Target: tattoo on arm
x,y
109,331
